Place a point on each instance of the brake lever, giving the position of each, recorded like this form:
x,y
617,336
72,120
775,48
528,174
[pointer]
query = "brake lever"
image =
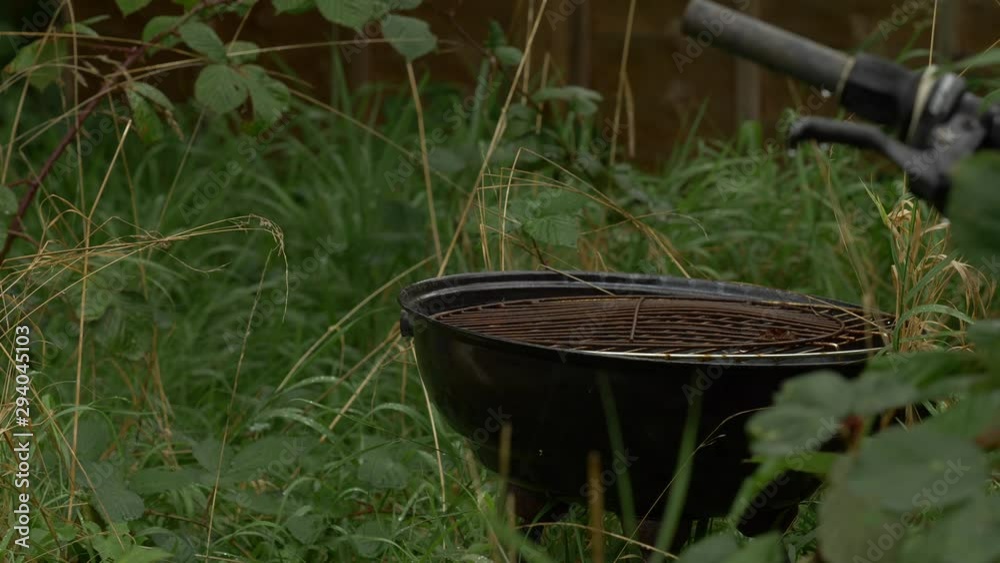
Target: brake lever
x,y
929,169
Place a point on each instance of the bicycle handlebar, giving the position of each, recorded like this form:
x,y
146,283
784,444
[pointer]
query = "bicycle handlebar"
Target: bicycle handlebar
x,y
767,45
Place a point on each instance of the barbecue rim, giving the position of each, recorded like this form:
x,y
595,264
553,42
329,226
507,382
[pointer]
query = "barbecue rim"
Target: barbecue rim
x,y
425,304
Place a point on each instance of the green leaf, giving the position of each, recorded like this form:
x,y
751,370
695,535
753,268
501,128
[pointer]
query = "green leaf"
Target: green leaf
x,y
207,453
969,417
157,27
348,13
369,539
411,37
153,94
270,97
974,209
147,122
113,500
8,201
990,57
563,202
985,334
508,56
267,503
772,472
40,61
204,40
923,370
154,480
131,6
293,6
256,456
878,392
382,468
559,230
851,525
915,469
521,120
583,100
713,549
81,29
241,52
111,544
405,4
968,534
220,88
139,554
186,4
763,549
446,161
806,414
93,438
305,528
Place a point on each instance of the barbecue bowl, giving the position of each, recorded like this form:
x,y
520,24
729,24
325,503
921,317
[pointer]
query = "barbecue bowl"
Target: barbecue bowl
x,y
533,350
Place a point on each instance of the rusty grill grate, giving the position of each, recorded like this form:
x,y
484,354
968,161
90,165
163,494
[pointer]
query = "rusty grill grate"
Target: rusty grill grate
x,y
657,326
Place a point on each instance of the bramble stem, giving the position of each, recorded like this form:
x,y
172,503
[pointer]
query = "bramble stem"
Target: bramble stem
x,y
15,228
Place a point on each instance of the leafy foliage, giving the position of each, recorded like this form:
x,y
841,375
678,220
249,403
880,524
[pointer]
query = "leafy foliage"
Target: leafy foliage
x,y
411,37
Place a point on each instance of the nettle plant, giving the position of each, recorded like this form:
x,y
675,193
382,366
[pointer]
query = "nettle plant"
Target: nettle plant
x,y
919,488
229,82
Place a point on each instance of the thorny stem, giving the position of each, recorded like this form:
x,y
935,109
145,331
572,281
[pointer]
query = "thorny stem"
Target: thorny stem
x,y
110,84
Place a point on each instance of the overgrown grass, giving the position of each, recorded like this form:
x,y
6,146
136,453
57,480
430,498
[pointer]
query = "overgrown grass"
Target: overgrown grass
x,y
226,312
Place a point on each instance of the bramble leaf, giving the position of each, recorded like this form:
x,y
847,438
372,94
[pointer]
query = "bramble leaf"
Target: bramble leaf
x,y
974,209
348,13
8,201
806,413
153,94
508,56
204,40
220,88
293,6
410,37
131,6
147,122
900,469
270,97
242,51
583,100
139,554
305,528
157,27
851,525
559,230
713,549
39,60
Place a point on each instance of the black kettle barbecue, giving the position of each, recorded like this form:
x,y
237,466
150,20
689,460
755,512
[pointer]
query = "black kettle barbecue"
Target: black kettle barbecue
x,y
531,349
536,349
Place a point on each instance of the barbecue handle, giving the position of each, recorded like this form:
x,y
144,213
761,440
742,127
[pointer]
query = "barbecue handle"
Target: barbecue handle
x,y
766,44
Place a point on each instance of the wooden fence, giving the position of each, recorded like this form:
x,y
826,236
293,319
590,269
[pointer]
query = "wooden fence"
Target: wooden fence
x,y
668,76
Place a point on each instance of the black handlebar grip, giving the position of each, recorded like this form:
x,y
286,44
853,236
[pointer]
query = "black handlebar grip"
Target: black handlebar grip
x,y
765,44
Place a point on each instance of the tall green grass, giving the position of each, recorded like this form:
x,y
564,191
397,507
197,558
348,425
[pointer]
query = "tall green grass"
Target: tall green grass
x,y
205,293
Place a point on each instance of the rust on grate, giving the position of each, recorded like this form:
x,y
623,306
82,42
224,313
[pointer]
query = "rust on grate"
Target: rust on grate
x,y
645,325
